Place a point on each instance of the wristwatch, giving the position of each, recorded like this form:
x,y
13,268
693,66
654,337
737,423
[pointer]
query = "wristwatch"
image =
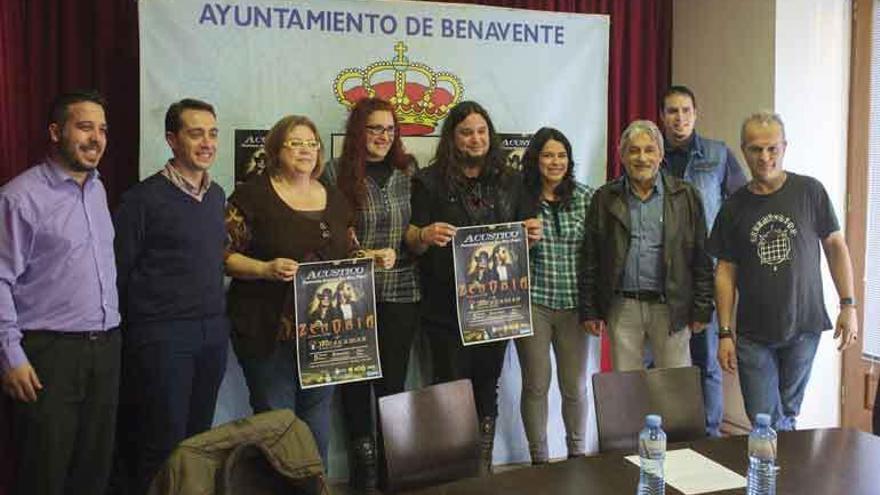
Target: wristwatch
x,y
725,333
847,301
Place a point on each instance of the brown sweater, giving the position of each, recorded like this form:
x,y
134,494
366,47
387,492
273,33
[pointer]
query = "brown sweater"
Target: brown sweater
x,y
261,226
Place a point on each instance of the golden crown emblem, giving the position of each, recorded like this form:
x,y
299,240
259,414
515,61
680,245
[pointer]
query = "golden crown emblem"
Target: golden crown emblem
x,y
421,97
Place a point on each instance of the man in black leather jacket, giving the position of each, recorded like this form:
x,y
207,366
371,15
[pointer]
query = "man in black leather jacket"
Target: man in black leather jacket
x,y
646,271
468,183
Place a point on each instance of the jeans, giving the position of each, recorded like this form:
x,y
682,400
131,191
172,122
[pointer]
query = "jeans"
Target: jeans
x,y
173,371
273,383
773,377
704,353
559,329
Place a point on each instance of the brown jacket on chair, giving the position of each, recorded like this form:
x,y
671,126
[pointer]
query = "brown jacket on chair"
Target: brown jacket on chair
x,y
217,461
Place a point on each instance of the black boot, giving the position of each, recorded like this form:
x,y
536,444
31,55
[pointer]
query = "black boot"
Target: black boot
x,y
363,472
487,443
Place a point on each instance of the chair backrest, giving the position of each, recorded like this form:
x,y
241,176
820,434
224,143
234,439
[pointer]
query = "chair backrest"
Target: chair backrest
x,y
431,435
624,398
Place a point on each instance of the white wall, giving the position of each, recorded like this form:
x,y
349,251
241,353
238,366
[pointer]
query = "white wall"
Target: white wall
x,y
812,92
791,56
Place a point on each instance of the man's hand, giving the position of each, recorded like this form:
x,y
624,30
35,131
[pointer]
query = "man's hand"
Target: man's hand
x,y
384,258
280,269
727,354
437,234
21,383
847,327
534,230
595,327
696,326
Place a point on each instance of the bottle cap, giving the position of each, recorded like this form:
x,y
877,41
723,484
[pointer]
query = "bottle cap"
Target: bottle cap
x,y
762,419
653,420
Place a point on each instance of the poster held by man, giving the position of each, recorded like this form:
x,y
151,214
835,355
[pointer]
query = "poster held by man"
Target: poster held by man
x,y
492,281
335,307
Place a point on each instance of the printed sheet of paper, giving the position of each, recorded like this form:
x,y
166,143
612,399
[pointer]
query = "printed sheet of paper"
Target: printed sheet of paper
x,y
692,473
492,280
335,310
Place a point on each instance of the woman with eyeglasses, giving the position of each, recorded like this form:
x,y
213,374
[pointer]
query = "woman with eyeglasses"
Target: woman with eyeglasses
x,y
275,221
374,174
548,173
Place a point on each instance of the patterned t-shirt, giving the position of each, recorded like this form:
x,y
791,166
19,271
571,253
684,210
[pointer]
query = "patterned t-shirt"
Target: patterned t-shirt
x,y
774,240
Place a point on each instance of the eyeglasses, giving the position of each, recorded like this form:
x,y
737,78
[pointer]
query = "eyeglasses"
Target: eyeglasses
x,y
309,144
378,130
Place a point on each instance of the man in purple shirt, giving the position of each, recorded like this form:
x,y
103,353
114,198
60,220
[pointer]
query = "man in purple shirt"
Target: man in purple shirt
x,y
59,348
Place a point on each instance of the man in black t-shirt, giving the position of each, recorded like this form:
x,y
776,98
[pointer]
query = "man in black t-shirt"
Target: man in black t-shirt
x,y
468,183
766,238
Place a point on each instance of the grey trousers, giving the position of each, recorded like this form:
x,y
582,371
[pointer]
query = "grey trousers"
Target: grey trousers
x,y
569,341
631,322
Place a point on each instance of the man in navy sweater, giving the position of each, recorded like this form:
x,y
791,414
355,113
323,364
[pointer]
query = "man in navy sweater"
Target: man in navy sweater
x,y
170,240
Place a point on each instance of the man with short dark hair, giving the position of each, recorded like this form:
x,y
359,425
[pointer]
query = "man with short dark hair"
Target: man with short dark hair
x,y
59,348
713,169
767,238
169,248
646,272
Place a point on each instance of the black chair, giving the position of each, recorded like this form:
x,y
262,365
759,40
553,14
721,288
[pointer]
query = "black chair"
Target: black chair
x,y
430,435
623,399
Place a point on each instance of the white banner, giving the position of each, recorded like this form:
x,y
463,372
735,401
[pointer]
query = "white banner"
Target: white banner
x,y
257,61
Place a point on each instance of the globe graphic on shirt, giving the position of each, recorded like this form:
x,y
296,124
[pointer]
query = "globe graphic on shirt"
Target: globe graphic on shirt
x,y
774,248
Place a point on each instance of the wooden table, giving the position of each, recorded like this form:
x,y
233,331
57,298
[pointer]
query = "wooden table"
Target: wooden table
x,y
812,462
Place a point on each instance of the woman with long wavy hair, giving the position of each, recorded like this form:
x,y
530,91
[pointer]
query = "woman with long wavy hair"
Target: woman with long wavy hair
x,y
374,173
468,183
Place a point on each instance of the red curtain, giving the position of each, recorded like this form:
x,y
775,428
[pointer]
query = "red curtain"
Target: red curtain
x,y
49,46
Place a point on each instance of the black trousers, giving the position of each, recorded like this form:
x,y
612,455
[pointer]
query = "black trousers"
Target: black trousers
x,y
65,438
480,363
172,374
397,327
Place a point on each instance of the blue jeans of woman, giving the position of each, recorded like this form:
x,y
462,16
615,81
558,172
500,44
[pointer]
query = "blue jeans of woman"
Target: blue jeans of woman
x,y
273,382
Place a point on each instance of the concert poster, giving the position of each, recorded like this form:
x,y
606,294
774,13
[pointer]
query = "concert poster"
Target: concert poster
x,y
250,157
336,339
492,282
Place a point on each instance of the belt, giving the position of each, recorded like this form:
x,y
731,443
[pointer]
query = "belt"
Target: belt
x,y
643,295
86,335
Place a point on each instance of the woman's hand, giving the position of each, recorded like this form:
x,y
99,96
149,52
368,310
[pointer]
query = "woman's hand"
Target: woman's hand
x,y
280,269
534,230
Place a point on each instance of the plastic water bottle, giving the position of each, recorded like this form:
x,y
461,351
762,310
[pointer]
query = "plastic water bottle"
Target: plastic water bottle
x,y
652,452
762,458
